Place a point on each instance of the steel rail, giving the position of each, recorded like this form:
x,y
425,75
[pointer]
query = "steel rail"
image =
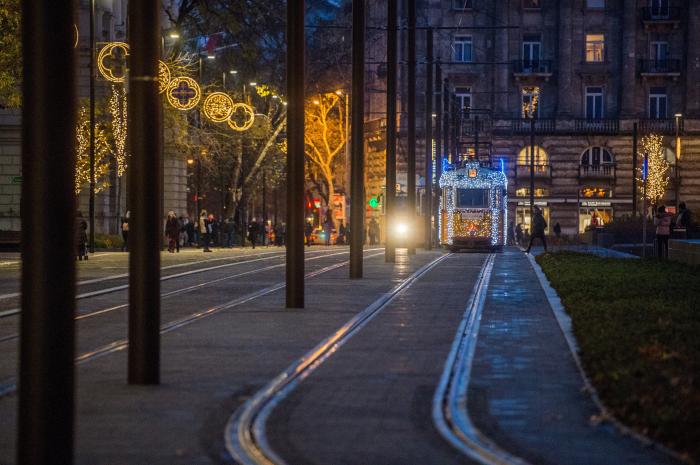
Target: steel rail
x,y
245,431
109,290
450,413
188,289
10,385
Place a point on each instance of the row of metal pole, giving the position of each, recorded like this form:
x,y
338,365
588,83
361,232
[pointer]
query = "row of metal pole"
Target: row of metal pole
x,y
47,345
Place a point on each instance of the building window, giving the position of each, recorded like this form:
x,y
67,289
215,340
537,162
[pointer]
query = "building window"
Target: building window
x,y
532,4
462,47
659,51
659,8
525,192
593,216
658,103
596,156
594,103
595,48
596,193
541,158
532,46
462,4
464,97
530,102
595,4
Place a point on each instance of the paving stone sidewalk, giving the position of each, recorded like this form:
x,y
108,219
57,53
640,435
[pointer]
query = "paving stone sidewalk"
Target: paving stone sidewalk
x,y
526,391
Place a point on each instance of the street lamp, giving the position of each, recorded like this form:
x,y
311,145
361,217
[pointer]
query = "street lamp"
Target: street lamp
x,y
678,117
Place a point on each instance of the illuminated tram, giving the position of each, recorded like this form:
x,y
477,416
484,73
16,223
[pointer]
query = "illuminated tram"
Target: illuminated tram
x,y
473,206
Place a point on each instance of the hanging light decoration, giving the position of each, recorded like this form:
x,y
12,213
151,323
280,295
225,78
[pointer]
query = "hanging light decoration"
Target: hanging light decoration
x,y
218,107
248,117
183,93
111,61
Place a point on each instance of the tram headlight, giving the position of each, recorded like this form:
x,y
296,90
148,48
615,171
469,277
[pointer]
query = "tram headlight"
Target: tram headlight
x,y
401,229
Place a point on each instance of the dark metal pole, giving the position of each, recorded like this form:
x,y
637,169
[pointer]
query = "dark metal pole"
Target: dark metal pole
x,y
438,143
644,204
453,127
295,154
476,137
532,170
91,205
391,78
47,333
634,170
264,197
357,168
446,120
676,168
145,227
411,181
428,201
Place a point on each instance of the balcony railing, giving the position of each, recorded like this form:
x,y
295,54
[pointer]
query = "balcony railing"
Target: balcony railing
x,y
469,126
597,126
541,171
660,126
604,171
667,66
534,67
661,14
542,125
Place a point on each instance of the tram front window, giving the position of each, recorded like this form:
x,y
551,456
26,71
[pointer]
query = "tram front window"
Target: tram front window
x,y
472,198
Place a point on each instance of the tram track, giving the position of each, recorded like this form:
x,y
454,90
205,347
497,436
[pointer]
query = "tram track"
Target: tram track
x,y
245,436
9,386
450,413
113,289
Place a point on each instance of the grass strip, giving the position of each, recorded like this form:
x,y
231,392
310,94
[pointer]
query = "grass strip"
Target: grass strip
x,y
637,323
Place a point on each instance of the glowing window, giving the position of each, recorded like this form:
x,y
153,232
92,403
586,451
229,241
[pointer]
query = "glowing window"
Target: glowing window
x,y
541,157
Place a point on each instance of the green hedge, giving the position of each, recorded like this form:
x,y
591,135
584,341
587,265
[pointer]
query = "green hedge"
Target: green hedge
x,y
637,323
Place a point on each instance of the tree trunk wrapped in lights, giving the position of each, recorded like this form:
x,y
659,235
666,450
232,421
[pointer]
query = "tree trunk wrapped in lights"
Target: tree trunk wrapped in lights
x,y
102,154
325,139
658,167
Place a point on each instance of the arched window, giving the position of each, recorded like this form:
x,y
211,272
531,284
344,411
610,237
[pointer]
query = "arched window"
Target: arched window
x,y
541,157
596,156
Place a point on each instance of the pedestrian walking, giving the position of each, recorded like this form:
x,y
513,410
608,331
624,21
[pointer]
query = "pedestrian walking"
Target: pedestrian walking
x,y
81,236
511,233
557,233
172,232
253,230
662,221
328,229
191,233
538,227
342,234
125,232
204,231
373,232
683,222
519,235
308,230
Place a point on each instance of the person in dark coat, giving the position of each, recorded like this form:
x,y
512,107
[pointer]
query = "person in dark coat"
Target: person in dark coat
x,y
125,232
253,230
683,222
81,236
538,226
172,232
308,230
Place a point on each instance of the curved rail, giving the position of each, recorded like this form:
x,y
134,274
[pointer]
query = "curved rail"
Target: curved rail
x,y
245,432
450,413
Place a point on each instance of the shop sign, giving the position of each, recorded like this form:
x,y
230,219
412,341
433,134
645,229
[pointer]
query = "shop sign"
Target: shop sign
x,y
526,203
595,203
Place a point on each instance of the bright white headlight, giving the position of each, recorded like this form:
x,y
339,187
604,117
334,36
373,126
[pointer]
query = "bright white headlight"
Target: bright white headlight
x,y
401,229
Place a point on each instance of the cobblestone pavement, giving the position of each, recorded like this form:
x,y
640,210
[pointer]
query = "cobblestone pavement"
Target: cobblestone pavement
x,y
526,391
370,403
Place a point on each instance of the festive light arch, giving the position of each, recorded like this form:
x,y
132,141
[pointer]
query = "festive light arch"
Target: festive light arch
x,y
163,76
218,107
183,93
105,53
249,117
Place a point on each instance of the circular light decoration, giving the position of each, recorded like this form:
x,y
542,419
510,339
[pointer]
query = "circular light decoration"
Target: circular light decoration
x,y
248,117
163,76
111,61
183,93
218,107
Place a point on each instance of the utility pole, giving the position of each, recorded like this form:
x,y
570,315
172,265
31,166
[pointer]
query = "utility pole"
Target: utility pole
x,y
145,228
391,47
295,154
357,172
645,175
532,170
91,204
446,119
676,167
634,169
411,181
438,143
47,326
428,201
